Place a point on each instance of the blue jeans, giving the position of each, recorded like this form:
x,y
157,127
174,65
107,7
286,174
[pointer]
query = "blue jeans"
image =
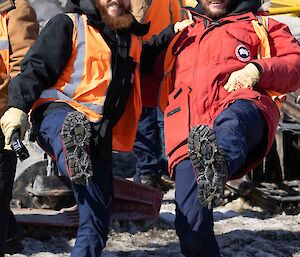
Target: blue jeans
x,y
163,156
94,200
149,143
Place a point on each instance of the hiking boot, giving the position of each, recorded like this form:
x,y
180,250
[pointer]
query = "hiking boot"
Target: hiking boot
x,y
14,245
167,182
155,181
209,164
76,135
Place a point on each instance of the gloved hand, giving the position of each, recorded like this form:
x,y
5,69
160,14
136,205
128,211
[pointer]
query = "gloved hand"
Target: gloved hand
x,y
244,78
12,120
180,25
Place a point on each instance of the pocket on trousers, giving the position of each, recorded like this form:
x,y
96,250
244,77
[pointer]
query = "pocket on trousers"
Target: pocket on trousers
x,y
177,119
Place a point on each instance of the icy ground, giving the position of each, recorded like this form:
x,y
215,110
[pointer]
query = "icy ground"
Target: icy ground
x,y
242,231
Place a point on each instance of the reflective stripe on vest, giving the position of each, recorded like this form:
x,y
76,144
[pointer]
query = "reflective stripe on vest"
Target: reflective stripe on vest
x,y
71,87
56,94
4,45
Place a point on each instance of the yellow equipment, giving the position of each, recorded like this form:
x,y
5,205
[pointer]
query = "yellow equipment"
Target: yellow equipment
x,y
286,7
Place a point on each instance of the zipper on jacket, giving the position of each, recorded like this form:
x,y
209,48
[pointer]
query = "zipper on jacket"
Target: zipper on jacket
x,y
116,55
114,58
178,109
211,26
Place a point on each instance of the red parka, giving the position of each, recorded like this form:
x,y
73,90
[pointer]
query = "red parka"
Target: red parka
x,y
204,57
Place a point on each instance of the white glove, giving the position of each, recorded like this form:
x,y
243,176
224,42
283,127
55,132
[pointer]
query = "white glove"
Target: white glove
x,y
244,78
180,25
13,119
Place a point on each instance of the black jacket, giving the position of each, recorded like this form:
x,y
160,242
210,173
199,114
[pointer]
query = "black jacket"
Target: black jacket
x,y
48,57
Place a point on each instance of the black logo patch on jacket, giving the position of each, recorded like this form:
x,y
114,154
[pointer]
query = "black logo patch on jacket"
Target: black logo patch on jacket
x,y
242,53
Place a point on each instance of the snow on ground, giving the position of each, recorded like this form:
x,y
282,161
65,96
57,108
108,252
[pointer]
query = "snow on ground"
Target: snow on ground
x,y
242,231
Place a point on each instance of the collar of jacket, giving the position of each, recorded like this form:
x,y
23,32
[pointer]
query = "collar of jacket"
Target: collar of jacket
x,y
227,19
6,5
88,8
240,6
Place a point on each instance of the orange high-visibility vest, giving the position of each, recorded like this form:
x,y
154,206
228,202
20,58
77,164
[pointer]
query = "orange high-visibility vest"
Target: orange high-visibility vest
x,y
84,82
161,14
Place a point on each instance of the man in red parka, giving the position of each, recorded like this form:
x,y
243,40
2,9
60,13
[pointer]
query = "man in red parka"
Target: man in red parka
x,y
219,119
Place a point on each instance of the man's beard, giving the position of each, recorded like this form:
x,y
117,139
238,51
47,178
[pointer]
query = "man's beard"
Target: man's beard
x,y
121,22
214,15
225,11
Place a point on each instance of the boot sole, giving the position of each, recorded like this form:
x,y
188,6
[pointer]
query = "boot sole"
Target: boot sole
x,y
209,165
76,135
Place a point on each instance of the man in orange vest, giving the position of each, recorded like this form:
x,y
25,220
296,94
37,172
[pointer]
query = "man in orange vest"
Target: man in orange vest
x,y
18,30
220,120
81,82
149,149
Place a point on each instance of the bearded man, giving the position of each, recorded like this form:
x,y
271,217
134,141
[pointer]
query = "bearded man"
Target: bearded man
x,y
81,82
222,103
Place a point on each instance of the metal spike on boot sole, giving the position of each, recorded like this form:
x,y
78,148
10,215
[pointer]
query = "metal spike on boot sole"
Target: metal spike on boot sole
x,y
76,135
209,165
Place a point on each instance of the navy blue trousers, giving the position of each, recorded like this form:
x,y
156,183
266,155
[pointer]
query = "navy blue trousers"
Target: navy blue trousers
x,y
149,143
193,223
93,200
8,224
239,130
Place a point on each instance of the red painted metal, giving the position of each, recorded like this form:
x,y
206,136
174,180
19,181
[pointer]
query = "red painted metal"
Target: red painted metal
x,y
131,202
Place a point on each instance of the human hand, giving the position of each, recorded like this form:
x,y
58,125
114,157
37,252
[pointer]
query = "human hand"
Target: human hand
x,y
180,25
243,78
12,120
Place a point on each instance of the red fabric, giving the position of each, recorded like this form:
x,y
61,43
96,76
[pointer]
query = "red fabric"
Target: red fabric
x,y
169,12
150,83
204,65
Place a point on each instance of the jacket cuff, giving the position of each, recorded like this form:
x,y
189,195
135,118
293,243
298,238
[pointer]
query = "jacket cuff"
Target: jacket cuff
x,y
258,66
